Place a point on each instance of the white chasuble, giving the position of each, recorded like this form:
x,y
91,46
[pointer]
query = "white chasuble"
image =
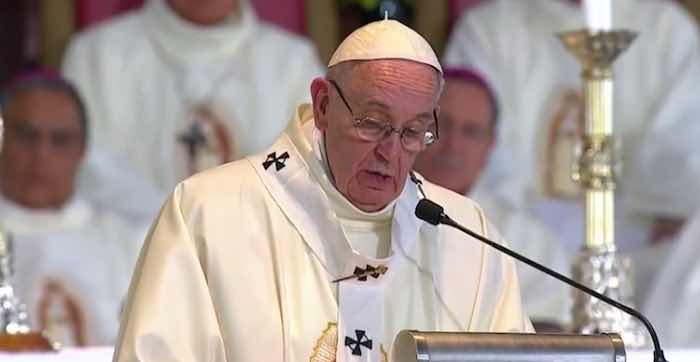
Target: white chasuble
x,y
171,98
241,264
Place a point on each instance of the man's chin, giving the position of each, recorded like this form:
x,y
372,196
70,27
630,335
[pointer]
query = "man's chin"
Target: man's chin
x,y
39,200
372,200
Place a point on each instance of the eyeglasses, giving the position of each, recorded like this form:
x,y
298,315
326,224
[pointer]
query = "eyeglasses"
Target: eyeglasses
x,y
413,139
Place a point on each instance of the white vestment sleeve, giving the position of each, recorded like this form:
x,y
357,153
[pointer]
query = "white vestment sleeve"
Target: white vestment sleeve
x,y
544,298
508,313
672,303
301,74
472,44
170,315
511,316
83,67
468,46
665,180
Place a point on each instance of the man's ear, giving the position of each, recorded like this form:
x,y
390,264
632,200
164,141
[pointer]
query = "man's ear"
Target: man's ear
x,y
320,100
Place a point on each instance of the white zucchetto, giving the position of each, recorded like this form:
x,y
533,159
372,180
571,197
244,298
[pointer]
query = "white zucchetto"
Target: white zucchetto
x,y
385,39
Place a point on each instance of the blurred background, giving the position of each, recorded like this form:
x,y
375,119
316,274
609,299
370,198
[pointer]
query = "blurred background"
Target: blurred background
x,y
658,84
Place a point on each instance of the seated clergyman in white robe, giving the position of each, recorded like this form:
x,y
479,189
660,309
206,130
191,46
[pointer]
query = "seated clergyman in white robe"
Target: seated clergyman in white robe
x,y
311,251
72,268
514,44
468,119
72,258
176,87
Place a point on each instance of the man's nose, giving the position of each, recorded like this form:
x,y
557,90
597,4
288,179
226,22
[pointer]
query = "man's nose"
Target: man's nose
x,y
390,146
43,150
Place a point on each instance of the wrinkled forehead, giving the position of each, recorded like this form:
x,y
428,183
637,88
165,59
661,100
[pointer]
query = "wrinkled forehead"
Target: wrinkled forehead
x,y
397,76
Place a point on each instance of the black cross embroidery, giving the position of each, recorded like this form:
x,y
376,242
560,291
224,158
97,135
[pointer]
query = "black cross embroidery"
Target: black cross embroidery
x,y
278,161
193,139
369,270
356,345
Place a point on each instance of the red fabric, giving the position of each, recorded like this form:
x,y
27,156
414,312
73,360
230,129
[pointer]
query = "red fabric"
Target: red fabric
x,y
459,6
90,12
288,14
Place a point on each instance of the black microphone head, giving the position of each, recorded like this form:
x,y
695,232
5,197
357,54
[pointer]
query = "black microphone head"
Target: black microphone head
x,y
429,211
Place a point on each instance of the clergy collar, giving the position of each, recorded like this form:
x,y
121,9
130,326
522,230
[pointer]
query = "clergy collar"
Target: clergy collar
x,y
189,43
18,219
309,141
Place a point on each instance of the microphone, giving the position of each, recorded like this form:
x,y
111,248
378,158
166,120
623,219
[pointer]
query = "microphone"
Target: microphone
x,y
434,214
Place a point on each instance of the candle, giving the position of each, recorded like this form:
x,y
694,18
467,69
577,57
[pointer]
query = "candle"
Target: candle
x,y
598,14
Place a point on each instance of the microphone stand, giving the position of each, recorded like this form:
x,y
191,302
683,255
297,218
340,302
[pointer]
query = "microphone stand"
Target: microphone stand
x,y
435,215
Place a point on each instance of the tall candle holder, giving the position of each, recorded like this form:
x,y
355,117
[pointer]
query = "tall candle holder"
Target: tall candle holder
x,y
598,265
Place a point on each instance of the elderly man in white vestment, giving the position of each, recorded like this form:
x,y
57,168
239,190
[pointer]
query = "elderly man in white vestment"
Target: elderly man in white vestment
x,y
73,259
468,119
657,80
310,251
183,85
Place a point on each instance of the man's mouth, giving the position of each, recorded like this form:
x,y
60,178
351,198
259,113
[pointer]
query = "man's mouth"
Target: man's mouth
x,y
377,179
380,173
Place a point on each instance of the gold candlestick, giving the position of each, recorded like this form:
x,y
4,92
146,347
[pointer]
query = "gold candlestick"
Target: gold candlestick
x,y
598,264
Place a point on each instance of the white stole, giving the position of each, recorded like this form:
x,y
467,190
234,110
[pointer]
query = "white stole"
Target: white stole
x,y
360,316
